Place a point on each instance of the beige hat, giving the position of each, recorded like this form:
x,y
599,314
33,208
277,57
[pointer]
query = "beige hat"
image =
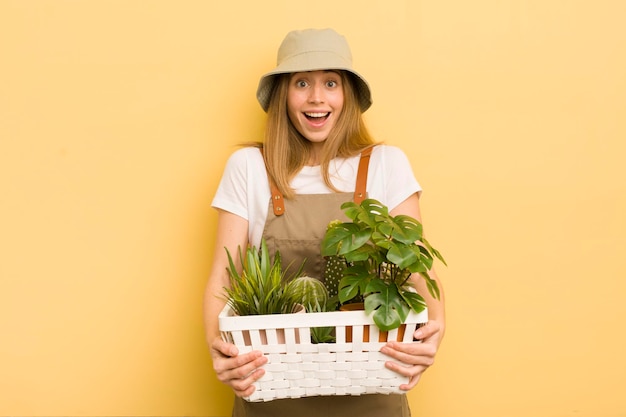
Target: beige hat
x,y
313,50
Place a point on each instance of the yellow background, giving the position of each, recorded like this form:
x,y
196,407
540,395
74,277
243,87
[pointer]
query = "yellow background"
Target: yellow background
x,y
115,121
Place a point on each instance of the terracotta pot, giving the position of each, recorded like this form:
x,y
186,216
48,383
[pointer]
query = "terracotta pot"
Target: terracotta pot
x,y
382,334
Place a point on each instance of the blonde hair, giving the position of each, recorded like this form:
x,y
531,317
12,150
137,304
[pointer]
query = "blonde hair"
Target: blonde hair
x,y
286,151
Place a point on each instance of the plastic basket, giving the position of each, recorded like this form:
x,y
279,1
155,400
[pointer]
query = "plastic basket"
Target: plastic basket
x,y
296,367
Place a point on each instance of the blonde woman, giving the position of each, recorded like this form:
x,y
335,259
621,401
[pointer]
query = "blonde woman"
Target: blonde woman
x,y
314,140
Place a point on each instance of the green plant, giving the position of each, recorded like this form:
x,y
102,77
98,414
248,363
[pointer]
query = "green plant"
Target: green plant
x,y
311,292
262,287
324,334
314,297
381,252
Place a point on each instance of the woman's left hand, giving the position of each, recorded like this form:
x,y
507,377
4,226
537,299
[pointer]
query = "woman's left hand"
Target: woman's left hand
x,y
415,357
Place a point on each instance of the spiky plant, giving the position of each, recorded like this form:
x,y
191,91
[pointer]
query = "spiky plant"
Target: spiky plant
x,y
262,287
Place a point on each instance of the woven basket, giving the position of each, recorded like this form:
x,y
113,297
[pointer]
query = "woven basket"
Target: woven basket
x,y
298,368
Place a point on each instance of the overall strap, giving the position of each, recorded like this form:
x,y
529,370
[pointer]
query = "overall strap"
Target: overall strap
x,y
278,201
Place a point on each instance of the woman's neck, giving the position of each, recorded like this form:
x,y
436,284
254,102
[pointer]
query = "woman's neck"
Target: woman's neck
x,y
314,154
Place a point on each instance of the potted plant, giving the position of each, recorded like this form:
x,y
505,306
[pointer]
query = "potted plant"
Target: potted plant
x,y
262,286
381,252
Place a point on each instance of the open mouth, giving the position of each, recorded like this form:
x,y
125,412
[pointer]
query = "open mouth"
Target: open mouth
x,y
317,117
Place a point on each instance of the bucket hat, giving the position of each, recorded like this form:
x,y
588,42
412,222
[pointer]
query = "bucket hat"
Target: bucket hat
x,y
313,50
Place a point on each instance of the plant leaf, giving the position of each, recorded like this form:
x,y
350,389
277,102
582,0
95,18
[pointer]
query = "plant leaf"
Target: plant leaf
x,y
344,238
406,229
432,286
389,310
366,212
415,301
434,251
402,256
354,282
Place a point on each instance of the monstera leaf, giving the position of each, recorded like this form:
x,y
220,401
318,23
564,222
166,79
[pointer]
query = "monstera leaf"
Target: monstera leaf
x,y
386,304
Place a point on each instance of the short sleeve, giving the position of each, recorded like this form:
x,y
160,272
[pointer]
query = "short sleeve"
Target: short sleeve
x,y
232,192
391,179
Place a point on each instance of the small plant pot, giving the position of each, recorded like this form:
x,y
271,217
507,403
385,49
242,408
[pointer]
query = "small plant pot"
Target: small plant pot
x,y
383,336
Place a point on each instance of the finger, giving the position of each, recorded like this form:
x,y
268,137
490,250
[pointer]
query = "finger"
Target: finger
x,y
411,353
406,369
245,387
224,348
414,373
239,366
412,383
426,331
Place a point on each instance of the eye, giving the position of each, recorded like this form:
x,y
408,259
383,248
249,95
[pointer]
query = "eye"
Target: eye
x,y
301,83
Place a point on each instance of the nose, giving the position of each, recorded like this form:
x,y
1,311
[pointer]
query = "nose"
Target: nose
x,y
316,93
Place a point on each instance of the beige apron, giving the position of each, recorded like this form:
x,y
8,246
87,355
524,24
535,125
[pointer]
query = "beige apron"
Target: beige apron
x,y
296,228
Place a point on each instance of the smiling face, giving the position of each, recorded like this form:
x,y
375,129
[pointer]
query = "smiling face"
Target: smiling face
x,y
314,103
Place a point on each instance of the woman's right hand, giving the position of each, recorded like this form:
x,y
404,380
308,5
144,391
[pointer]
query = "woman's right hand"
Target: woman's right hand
x,y
239,372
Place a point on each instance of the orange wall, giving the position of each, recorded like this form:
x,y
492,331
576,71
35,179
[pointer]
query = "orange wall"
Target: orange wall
x,y
115,121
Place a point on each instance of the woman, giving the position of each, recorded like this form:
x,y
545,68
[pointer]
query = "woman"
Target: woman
x,y
289,190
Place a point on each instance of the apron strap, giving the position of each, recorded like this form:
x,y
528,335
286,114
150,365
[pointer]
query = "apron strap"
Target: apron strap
x,y
278,201
361,176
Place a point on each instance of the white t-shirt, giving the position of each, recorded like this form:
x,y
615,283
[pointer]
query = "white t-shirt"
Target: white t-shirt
x,y
244,189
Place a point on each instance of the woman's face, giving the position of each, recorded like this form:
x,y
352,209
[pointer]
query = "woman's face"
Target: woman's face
x,y
314,103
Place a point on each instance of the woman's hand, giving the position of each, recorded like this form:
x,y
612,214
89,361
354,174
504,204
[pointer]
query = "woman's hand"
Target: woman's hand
x,y
235,370
415,357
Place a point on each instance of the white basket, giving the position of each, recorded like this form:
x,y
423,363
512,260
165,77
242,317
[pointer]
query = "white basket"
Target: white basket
x,y
297,367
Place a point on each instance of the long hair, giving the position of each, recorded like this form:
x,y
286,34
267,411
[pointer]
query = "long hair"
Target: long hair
x,y
286,151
